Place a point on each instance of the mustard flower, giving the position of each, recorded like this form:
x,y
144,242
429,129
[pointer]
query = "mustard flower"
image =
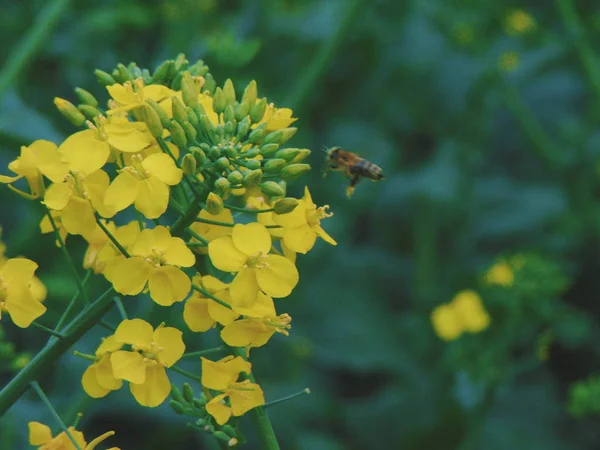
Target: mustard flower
x,y
303,225
259,324
445,322
145,183
276,118
201,313
46,226
500,273
41,158
16,297
40,436
209,231
155,261
126,236
97,240
246,253
98,379
131,95
465,313
222,376
144,366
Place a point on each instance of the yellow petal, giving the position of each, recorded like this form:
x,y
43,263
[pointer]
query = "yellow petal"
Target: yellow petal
x,y
210,232
469,307
244,288
122,191
219,410
129,275
220,313
92,445
225,256
78,216
109,345
251,239
445,322
155,389
168,285
212,284
216,375
247,332
323,235
90,383
39,434
178,254
171,341
294,219
17,270
195,314
152,198
105,376
84,152
49,160
129,366
279,278
163,167
22,306
128,137
151,238
262,308
136,332
247,396
300,239
57,196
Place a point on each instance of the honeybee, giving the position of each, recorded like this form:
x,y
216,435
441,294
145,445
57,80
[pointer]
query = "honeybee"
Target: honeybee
x,y
352,165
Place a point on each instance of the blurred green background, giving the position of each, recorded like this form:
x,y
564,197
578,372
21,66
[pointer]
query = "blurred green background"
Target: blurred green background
x,y
484,117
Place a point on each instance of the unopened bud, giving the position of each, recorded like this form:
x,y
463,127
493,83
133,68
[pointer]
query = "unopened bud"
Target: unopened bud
x,y
252,177
161,74
222,163
229,92
152,120
232,442
301,156
177,407
206,124
287,153
253,164
241,111
200,402
198,68
135,71
162,114
188,392
285,205
269,150
214,203
190,131
252,152
89,111
258,134
209,84
179,112
188,90
235,177
280,136
86,97
274,165
181,62
176,393
222,186
230,126
199,155
221,436
104,78
250,94
228,113
257,112
192,116
188,164
177,134
294,170
272,189
219,101
70,111
243,128
124,73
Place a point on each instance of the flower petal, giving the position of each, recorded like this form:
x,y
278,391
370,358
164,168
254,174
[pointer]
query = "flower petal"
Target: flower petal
x,y
225,256
168,285
247,332
220,313
155,389
105,376
251,239
218,375
78,216
218,409
57,196
163,167
279,278
178,254
244,288
90,383
129,366
195,314
152,198
171,341
300,239
122,192
323,235
136,332
247,396
39,434
17,270
445,322
84,152
129,275
22,306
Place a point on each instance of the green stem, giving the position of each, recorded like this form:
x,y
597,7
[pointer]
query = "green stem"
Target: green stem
x,y
196,236
208,351
214,222
289,397
186,219
42,361
195,244
71,304
425,248
31,42
212,297
323,58
187,374
112,238
249,211
65,252
36,387
47,330
120,307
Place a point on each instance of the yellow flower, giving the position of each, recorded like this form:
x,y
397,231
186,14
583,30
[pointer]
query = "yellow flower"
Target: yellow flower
x,y
144,366
128,95
519,22
276,118
41,158
145,183
155,261
201,313
16,297
303,225
125,235
500,273
260,323
246,252
222,376
98,379
97,240
208,231
445,322
469,308
40,436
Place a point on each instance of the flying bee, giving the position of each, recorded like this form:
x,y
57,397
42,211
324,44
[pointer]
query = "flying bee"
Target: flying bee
x,y
352,165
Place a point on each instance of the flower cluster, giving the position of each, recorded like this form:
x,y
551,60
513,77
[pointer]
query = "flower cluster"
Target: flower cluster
x,y
40,436
465,313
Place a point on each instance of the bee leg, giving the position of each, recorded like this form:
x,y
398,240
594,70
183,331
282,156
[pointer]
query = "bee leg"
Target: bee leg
x,y
353,182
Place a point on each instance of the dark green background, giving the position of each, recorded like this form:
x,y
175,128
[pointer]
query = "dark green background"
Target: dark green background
x,y
480,163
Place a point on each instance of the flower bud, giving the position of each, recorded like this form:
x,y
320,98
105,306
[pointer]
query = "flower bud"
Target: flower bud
x,y
221,436
205,124
230,126
146,77
176,393
198,68
274,165
162,114
250,94
280,136
179,112
192,117
188,90
214,152
235,177
253,164
209,84
181,62
199,155
272,189
294,170
285,205
228,114
152,120
161,74
190,131
269,150
200,403
252,152
104,78
70,111
301,156
229,92
258,134
89,111
177,407
124,73
85,97
252,177
243,128
135,71
219,101
241,110
222,186
230,151
229,430
177,134
214,203
188,392
287,153
222,163
188,164
257,111
176,82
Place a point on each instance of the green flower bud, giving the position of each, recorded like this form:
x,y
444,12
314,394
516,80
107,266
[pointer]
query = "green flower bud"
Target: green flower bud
x,y
253,164
229,92
285,205
206,147
181,62
229,430
206,124
135,71
243,128
161,74
192,117
228,114
280,136
177,134
301,156
200,403
176,393
222,185
257,111
85,97
221,436
269,150
162,114
146,77
214,152
209,84
190,131
252,177
258,134
177,407
214,203
188,392
274,165
230,127
152,120
250,94
272,189
70,111
188,164
222,163
241,110
198,68
89,111
104,78
176,82
219,101
294,170
235,177
179,112
124,73
188,90
252,152
199,155
229,151
287,153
